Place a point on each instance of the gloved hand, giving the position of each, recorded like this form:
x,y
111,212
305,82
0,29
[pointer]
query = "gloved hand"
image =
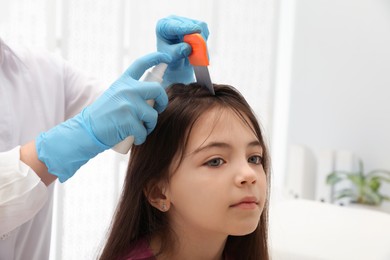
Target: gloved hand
x,y
121,111
170,32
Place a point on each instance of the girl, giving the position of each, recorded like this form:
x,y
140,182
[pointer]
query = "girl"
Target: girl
x,y
198,187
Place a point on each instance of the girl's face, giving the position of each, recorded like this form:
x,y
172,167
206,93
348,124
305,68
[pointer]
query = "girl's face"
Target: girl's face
x,y
220,186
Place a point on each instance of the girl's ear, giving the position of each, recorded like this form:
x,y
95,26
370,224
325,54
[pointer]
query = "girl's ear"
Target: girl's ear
x,y
156,194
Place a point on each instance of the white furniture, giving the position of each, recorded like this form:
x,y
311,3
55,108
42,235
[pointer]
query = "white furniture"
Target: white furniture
x,y
310,230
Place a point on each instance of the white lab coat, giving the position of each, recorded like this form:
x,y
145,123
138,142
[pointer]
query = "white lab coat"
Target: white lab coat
x,y
37,92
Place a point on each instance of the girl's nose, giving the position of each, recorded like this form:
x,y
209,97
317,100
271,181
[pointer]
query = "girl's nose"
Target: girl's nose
x,y
246,175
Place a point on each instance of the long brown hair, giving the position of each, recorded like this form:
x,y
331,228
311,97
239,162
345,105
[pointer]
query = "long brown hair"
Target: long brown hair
x,y
150,162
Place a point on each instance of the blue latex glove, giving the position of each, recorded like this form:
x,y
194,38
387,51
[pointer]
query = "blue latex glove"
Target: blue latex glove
x,y
170,32
121,111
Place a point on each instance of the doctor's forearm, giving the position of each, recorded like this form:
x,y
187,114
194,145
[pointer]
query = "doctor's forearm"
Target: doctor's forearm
x,y
29,155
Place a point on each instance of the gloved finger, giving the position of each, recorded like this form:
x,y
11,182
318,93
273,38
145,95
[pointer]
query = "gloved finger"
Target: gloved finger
x,y
204,30
173,28
149,118
153,90
139,66
138,131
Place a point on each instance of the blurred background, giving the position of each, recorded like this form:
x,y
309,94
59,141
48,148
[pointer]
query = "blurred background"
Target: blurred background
x,y
314,71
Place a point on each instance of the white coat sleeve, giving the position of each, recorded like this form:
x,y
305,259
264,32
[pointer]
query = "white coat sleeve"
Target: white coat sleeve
x,y
22,194
80,89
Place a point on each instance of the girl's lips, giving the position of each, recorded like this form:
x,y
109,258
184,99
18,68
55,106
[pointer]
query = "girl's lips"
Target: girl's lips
x,y
246,203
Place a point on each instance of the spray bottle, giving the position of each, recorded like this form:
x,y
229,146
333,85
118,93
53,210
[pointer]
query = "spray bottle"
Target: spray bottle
x,y
154,75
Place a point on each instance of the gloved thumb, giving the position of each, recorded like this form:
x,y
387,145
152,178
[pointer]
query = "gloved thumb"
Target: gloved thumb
x,y
179,50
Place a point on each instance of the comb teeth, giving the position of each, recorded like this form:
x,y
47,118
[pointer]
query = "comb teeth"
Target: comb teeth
x,y
203,77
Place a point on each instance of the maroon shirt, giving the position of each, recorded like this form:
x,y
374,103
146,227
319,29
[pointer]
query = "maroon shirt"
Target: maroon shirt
x,y
141,251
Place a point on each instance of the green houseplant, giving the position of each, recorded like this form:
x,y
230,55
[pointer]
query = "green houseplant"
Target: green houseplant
x,y
365,188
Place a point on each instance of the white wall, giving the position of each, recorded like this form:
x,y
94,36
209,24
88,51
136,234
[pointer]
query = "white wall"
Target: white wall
x,y
340,78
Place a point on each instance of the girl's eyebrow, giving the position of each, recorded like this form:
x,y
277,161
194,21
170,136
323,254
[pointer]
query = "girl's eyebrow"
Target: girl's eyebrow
x,y
224,146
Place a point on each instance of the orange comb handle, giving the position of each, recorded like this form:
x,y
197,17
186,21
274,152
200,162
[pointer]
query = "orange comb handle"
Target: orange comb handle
x,y
198,57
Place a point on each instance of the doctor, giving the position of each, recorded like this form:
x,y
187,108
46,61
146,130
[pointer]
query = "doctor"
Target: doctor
x,y
38,92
